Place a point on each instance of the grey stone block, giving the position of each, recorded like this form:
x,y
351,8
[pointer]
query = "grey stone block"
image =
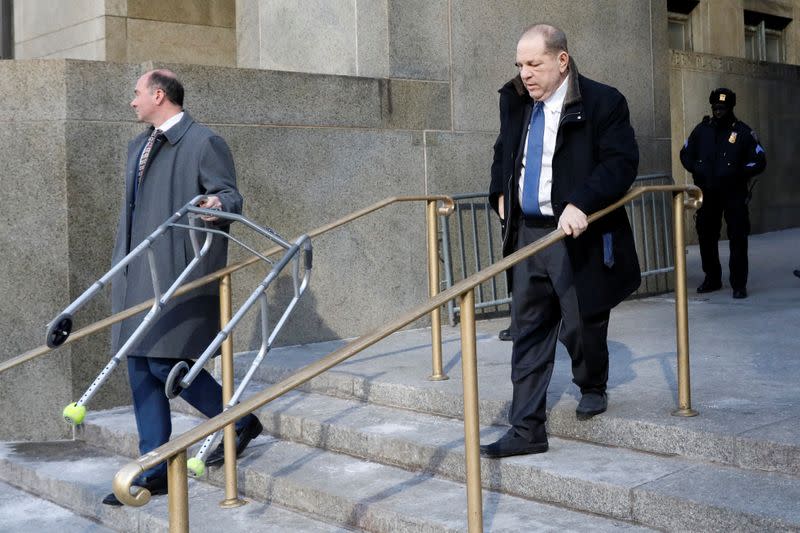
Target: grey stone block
x,y
372,25
100,91
418,39
209,13
484,39
230,96
34,282
458,162
319,36
775,447
407,104
34,90
364,273
248,34
702,498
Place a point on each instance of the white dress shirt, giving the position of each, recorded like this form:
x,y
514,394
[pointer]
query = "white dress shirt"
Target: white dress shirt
x,y
552,116
164,127
170,122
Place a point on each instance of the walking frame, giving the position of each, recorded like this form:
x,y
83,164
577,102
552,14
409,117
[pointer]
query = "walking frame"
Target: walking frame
x,y
181,375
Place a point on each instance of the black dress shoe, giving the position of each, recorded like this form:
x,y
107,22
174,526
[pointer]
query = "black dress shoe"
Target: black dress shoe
x,y
156,486
512,444
243,438
739,293
505,335
797,273
709,286
591,404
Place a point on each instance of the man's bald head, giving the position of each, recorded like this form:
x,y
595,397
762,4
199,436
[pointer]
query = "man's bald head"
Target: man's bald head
x,y
167,81
555,40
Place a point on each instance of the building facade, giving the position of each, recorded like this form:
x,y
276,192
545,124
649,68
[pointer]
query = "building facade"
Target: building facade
x,y
328,106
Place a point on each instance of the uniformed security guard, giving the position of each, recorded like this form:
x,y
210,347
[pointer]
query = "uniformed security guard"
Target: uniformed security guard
x,y
723,154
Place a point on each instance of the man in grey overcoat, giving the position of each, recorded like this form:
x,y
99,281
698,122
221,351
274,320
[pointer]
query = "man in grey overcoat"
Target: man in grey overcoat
x,y
168,164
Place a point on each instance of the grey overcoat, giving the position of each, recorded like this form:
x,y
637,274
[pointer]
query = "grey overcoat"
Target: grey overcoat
x,y
188,160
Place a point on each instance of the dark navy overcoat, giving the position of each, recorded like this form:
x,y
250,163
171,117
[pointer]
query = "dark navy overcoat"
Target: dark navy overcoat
x,y
595,162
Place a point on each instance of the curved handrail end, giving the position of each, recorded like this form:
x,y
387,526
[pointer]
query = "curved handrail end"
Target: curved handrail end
x,y
694,199
449,206
122,483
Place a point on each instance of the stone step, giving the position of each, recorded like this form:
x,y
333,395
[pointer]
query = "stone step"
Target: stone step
x,y
358,493
76,475
21,511
618,483
640,422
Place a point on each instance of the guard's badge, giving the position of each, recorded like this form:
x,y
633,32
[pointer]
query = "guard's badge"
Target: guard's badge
x,y
722,98
755,137
732,138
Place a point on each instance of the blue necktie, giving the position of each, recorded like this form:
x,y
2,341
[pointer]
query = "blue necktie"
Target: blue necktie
x,y
533,162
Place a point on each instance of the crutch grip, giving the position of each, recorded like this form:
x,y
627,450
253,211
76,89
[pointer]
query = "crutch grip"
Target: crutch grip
x,y
309,258
58,330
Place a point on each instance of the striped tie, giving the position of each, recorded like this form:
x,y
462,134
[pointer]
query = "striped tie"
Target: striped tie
x,y
146,152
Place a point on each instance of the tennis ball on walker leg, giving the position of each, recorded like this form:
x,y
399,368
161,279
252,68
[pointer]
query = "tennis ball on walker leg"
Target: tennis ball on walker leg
x,y
196,466
74,413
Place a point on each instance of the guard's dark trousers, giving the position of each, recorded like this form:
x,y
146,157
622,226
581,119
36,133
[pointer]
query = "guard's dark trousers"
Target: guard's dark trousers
x,y
709,224
546,310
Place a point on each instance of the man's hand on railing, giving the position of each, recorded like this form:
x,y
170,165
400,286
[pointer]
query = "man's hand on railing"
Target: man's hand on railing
x,y
573,221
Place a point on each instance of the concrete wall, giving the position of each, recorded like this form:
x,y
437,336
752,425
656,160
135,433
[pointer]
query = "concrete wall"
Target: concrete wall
x,y
302,159
127,30
765,100
470,43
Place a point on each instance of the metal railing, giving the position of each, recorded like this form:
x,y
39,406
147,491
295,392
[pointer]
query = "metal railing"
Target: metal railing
x,y
223,277
174,452
473,240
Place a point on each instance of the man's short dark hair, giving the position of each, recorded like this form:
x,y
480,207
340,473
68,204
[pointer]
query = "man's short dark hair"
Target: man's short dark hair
x,y
167,82
555,40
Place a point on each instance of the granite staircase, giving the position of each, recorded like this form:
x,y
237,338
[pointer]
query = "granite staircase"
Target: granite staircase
x,y
374,446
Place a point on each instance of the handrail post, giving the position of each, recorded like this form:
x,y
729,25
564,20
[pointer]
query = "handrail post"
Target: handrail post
x,y
681,309
178,493
433,289
469,369
229,439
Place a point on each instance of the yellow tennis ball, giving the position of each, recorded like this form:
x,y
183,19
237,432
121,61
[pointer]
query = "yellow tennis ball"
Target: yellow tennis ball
x,y
74,413
196,466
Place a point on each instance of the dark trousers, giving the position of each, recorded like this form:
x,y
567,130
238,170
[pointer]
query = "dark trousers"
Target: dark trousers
x,y
709,224
147,376
546,310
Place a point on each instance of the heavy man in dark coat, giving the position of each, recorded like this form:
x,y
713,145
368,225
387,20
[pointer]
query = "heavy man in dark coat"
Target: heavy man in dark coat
x,y
723,153
170,163
565,150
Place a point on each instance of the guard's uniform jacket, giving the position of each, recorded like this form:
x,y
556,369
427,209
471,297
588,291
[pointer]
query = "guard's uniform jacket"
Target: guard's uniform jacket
x,y
722,158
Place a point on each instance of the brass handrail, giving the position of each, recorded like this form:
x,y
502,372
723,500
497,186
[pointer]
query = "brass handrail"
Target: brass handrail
x,y
100,325
123,480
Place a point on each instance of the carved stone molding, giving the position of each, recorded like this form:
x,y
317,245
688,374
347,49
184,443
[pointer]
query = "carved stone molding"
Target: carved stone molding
x,y
734,65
